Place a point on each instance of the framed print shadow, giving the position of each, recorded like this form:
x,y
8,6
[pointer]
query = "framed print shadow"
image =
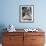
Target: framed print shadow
x,y
26,13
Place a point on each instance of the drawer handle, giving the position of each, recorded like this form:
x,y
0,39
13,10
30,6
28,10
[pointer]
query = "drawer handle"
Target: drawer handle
x,y
33,39
11,38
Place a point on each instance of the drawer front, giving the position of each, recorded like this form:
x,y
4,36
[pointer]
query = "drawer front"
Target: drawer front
x,y
34,33
8,44
12,39
37,45
37,39
13,33
12,45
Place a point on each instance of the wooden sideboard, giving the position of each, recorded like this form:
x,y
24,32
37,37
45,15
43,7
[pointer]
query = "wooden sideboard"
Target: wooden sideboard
x,y
23,39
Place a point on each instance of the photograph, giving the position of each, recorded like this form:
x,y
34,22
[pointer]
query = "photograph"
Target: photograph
x,y
26,13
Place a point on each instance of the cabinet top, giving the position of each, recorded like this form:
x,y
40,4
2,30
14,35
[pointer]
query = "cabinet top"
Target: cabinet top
x,y
24,33
22,30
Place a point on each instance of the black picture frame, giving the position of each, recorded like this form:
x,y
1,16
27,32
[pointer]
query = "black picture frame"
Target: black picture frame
x,y
26,13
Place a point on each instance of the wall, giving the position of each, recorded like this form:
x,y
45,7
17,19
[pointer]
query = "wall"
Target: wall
x,y
10,13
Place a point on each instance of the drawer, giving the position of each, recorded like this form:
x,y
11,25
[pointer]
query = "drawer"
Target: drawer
x,y
21,44
33,39
34,33
12,38
13,33
16,41
37,39
37,44
8,44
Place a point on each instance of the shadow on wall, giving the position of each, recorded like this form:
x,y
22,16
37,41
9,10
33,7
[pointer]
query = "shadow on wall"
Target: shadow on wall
x,y
2,26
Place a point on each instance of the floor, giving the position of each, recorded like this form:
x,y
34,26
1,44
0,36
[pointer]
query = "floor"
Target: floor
x,y
0,44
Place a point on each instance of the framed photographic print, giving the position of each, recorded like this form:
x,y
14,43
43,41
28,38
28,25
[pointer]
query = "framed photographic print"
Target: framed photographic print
x,y
26,13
